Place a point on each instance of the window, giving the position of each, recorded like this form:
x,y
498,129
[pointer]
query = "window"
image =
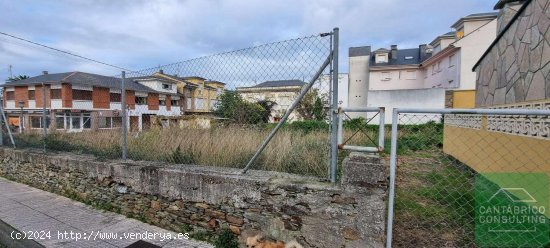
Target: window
x,y
198,103
439,66
104,122
31,95
84,95
60,122
166,86
55,93
86,121
433,69
10,95
385,76
162,102
36,121
140,100
410,75
174,102
218,91
115,97
75,121
109,122
381,58
452,60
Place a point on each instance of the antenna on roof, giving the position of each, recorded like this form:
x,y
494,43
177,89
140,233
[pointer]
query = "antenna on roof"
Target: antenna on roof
x,y
11,74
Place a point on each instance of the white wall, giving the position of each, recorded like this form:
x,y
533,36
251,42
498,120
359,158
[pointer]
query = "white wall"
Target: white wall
x,y
358,81
343,86
417,98
157,85
398,79
472,46
447,76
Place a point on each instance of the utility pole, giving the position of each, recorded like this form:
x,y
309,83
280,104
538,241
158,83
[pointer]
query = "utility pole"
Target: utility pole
x,y
11,74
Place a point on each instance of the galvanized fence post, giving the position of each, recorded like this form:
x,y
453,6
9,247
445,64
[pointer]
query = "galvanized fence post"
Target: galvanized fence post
x,y
123,109
393,162
334,109
44,117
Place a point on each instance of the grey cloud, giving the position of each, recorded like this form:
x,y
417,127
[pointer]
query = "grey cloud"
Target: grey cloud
x,y
142,34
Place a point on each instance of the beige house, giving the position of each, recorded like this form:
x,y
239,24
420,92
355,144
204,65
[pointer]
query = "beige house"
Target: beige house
x,y
282,93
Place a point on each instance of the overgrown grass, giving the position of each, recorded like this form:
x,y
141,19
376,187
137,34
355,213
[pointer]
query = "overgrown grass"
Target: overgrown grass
x,y
434,201
301,147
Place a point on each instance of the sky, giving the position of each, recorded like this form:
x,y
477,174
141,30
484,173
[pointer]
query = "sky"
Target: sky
x,y
138,34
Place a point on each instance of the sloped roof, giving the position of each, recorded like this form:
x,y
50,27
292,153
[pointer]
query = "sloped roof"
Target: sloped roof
x,y
476,16
82,78
281,83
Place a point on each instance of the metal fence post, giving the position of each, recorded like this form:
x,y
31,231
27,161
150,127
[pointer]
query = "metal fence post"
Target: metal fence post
x,y
123,109
381,128
334,109
393,161
44,122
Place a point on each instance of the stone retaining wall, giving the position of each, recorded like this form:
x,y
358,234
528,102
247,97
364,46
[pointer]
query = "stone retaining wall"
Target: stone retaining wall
x,y
210,199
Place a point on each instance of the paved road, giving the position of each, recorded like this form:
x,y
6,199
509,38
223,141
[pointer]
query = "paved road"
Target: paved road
x,y
30,209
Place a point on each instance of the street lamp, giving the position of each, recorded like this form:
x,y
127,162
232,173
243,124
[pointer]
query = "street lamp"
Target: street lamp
x,y
21,105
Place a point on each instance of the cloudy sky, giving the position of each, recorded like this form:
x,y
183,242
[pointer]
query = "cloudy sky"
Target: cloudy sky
x,y
140,34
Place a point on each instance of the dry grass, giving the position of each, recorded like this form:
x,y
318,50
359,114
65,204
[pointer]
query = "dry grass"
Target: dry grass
x,y
291,150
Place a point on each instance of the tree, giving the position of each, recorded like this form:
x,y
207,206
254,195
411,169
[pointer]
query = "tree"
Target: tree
x,y
232,106
17,78
312,106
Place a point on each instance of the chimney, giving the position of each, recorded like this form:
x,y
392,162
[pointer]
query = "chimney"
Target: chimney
x,y
423,54
508,9
393,53
44,72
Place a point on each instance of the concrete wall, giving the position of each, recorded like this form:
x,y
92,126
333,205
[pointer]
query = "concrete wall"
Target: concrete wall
x,y
415,98
279,205
398,79
517,68
358,82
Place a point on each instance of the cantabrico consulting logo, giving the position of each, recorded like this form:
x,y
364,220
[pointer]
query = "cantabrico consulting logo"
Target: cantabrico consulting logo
x,y
511,210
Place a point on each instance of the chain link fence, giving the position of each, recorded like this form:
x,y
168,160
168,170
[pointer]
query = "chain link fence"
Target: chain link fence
x,y
470,180
213,110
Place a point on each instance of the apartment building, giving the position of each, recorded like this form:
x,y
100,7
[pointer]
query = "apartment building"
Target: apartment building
x,y
201,95
434,75
282,92
77,101
390,78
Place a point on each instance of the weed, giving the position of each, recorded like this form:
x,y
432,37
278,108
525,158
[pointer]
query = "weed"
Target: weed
x,y
226,240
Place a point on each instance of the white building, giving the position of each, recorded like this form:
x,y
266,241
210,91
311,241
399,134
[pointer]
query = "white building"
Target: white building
x,y
422,77
282,93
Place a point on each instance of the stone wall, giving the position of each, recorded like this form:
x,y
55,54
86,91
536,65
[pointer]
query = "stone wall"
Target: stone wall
x,y
209,199
517,68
